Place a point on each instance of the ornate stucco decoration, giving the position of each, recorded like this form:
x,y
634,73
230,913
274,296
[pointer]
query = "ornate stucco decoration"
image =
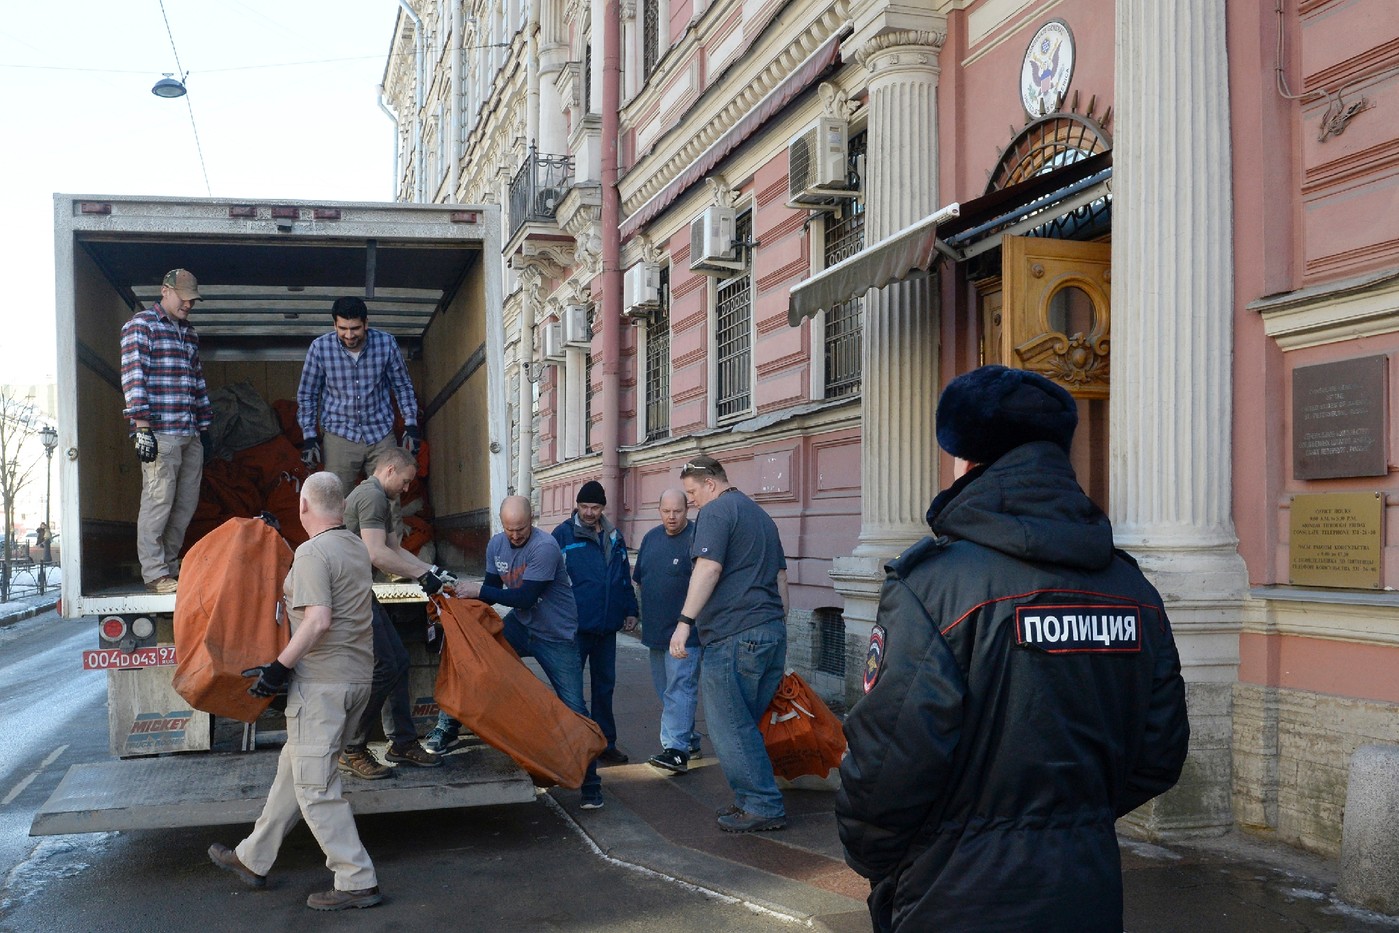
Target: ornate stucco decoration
x,y
835,102
551,259
902,47
725,195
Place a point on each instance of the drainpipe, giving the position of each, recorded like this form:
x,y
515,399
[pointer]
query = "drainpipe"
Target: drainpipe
x,y
611,255
454,122
532,75
394,117
419,38
524,462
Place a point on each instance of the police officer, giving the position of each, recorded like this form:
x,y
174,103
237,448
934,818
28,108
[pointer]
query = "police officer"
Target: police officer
x,y
1023,689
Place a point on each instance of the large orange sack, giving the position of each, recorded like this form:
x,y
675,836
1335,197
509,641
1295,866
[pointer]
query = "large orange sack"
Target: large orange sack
x,y
229,616
800,732
483,683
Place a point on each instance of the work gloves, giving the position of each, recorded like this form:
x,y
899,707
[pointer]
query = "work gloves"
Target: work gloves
x,y
311,452
146,447
435,579
272,679
412,439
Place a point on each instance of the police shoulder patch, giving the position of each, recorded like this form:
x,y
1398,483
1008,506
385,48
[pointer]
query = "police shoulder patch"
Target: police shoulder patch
x,y
874,660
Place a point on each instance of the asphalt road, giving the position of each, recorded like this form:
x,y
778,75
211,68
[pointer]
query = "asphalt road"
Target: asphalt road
x,y
523,867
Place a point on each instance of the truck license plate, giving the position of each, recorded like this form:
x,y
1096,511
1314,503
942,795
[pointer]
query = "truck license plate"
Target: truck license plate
x,y
107,658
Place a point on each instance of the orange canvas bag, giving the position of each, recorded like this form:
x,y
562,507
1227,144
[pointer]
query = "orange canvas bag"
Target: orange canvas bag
x,y
483,683
801,734
229,616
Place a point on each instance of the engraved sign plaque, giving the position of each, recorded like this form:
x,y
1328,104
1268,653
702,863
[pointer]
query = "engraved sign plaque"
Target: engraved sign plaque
x,y
1339,419
1337,539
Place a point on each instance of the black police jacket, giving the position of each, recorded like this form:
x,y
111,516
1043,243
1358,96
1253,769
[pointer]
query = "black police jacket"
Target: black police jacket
x,y
1023,691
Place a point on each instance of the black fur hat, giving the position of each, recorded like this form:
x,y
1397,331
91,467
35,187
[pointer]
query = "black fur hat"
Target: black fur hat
x,y
989,411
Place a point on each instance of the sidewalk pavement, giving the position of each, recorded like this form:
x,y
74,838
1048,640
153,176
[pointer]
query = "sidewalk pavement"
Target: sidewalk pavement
x,y
25,599
665,824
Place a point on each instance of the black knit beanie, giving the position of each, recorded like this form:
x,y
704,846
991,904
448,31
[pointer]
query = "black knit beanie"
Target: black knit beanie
x,y
592,492
990,411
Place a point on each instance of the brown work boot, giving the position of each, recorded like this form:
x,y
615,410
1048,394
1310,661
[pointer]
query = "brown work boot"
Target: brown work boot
x,y
413,754
164,586
357,761
224,857
343,900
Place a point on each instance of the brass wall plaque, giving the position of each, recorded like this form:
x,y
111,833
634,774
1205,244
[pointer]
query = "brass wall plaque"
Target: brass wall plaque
x,y
1340,425
1337,539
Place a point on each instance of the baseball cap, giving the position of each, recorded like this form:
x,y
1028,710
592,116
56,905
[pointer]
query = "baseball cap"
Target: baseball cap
x,y
184,283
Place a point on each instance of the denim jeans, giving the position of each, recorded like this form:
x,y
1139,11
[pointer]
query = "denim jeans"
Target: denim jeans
x,y
563,667
677,684
740,675
598,653
390,683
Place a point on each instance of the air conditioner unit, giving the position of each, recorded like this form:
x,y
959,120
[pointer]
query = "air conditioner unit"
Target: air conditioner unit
x,y
551,341
712,247
641,290
577,330
818,165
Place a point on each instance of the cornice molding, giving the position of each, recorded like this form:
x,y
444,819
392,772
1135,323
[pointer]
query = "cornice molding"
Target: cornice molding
x,y
658,168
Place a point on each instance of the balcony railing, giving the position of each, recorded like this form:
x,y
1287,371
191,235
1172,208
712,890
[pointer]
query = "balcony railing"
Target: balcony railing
x,y
537,189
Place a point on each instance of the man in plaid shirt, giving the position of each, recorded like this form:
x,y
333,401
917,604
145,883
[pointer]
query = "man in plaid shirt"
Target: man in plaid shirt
x,y
167,405
342,403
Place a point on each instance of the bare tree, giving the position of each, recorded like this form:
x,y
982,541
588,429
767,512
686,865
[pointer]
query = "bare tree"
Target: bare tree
x,y
18,421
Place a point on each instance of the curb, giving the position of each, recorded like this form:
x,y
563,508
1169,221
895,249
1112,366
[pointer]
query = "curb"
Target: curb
x,y
31,612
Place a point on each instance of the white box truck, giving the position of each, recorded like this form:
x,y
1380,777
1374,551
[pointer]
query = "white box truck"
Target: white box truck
x,y
268,272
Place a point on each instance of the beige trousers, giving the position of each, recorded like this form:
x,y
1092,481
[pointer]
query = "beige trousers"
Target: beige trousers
x,y
307,785
169,495
349,460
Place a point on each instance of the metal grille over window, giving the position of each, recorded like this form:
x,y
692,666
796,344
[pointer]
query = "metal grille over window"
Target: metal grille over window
x,y
658,364
733,333
588,77
845,236
830,641
514,420
650,36
588,398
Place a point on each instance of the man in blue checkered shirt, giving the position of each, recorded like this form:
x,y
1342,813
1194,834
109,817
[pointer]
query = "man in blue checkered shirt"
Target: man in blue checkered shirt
x,y
167,406
342,403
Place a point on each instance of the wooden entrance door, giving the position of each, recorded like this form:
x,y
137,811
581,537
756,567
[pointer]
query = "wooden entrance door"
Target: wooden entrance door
x,y
1050,311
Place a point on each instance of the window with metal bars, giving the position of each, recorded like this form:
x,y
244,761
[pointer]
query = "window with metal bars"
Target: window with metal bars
x,y
650,36
733,331
588,76
515,417
588,399
658,364
845,236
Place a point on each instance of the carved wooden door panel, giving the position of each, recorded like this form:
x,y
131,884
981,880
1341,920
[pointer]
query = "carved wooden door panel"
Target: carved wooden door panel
x,y
1055,318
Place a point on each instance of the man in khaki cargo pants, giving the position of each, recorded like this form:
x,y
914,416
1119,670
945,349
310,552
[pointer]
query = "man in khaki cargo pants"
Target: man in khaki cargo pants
x,y
332,651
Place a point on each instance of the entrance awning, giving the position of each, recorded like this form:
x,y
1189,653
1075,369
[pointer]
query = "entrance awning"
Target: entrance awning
x,y
959,232
907,253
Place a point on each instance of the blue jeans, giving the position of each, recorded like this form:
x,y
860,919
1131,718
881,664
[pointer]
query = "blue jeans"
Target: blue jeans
x,y
598,652
677,684
741,674
390,684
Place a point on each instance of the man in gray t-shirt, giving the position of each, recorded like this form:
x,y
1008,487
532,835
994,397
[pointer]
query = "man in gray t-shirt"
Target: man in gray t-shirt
x,y
738,599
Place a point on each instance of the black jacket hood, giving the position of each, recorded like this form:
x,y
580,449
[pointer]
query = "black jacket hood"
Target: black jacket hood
x,y
1027,504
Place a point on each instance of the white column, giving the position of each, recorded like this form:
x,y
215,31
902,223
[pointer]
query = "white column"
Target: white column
x,y
1171,409
898,459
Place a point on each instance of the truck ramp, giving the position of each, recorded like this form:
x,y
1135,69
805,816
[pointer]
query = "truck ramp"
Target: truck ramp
x,y
220,788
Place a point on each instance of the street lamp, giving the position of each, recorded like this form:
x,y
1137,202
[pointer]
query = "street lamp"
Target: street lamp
x,y
48,436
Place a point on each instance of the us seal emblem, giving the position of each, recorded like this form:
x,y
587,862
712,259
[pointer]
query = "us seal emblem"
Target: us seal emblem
x,y
1047,68
874,661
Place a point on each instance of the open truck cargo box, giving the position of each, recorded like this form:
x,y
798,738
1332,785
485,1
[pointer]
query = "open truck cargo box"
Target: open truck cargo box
x,y
268,273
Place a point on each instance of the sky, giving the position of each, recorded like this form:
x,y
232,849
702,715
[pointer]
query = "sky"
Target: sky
x,y
284,99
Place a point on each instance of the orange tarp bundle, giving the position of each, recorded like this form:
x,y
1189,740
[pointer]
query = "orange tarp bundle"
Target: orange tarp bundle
x,y
266,463
483,683
800,732
229,616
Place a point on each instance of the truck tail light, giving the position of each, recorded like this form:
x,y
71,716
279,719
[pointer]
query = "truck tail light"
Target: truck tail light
x,y
113,628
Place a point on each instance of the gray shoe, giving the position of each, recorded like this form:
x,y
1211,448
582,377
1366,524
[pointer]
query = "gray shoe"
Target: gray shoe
x,y
343,900
744,822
